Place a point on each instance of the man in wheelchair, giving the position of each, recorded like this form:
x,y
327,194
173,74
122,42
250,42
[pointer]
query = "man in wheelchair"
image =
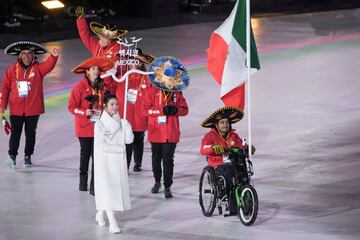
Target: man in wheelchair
x,y
216,143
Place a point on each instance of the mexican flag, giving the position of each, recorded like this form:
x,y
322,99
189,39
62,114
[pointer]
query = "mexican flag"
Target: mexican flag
x,y
227,56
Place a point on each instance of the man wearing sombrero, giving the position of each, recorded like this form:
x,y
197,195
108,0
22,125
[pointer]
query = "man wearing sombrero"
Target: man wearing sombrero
x,y
86,103
104,46
163,104
138,85
221,137
22,89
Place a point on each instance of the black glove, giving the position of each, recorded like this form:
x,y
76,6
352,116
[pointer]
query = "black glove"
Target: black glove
x,y
170,110
79,12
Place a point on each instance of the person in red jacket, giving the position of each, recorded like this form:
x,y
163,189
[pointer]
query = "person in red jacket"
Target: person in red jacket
x,y
218,139
22,89
163,104
103,46
137,86
86,103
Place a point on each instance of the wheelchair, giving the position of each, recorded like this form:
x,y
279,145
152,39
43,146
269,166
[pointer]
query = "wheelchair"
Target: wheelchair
x,y
213,189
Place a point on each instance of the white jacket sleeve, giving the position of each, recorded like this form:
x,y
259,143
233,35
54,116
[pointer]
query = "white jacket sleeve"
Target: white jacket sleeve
x,y
129,135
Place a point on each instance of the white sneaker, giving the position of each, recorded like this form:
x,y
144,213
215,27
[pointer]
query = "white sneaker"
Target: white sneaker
x,y
10,162
99,218
114,228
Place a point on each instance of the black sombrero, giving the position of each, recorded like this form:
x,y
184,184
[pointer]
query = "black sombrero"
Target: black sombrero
x,y
234,115
16,47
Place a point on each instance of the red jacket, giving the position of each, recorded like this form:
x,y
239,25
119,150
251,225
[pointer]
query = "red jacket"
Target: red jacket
x,y
134,115
92,44
152,107
33,104
213,138
77,105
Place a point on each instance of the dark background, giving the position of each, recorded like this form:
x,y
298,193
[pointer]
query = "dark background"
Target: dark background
x,y
35,22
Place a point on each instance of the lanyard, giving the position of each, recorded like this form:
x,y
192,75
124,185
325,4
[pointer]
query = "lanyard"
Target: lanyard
x,y
166,96
98,54
98,93
17,71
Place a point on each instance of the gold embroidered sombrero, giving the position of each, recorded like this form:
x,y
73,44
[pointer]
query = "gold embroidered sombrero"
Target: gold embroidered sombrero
x,y
169,74
103,63
145,58
234,115
106,31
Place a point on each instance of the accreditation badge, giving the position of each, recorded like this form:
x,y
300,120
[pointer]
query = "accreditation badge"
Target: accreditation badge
x,y
161,120
95,115
23,88
132,95
226,158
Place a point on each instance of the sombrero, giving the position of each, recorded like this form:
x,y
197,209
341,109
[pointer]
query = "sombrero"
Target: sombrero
x,y
16,47
106,31
145,58
169,74
232,113
103,63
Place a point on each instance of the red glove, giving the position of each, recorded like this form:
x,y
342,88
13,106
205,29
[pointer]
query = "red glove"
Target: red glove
x,y
6,125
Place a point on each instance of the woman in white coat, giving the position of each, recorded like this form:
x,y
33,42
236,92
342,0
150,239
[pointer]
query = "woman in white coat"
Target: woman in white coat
x,y
110,164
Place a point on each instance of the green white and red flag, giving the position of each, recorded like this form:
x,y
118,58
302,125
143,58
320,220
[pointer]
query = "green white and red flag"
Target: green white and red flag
x,y
227,56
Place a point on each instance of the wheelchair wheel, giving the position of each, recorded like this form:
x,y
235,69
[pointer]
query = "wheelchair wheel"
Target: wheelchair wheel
x,y
207,191
249,209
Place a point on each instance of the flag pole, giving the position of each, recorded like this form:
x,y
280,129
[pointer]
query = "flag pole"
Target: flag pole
x,y
248,62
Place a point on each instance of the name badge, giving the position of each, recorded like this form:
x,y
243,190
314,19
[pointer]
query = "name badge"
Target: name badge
x,y
161,119
132,95
23,88
95,115
226,158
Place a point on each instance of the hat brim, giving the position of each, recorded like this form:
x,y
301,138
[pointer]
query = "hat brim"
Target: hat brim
x,y
98,29
103,63
232,113
172,84
145,58
16,47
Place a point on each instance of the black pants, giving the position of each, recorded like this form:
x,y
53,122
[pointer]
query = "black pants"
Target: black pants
x,y
86,151
17,123
164,152
138,147
227,171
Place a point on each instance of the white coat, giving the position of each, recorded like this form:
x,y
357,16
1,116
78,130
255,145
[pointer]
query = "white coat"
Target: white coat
x,y
110,165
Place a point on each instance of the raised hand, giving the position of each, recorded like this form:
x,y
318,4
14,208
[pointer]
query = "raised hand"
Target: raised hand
x,y
79,12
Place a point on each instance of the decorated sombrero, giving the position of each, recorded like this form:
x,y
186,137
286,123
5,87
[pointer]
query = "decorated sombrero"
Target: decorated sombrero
x,y
145,58
169,74
106,31
232,113
103,63
16,47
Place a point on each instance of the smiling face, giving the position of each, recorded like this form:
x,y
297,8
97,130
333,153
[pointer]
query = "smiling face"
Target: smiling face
x,y
104,42
112,106
93,73
26,57
223,126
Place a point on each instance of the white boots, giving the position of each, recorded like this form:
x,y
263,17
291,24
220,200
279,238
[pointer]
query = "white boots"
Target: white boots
x,y
113,227
100,219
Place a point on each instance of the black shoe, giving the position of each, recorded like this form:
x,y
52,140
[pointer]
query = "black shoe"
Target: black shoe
x,y
137,168
156,188
27,161
167,193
